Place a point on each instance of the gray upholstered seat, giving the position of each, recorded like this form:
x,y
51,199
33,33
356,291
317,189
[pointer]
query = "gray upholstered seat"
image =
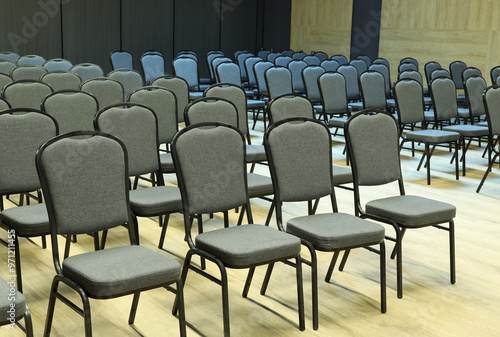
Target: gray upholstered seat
x,y
341,175
155,201
27,221
121,59
259,185
12,302
431,136
256,153
166,162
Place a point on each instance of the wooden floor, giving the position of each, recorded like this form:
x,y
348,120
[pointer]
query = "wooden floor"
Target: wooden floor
x,y
349,305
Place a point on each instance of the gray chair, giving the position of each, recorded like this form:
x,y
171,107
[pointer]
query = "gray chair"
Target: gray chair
x,y
86,71
410,112
13,308
278,81
310,76
381,60
22,131
415,75
137,126
74,110
384,70
456,69
372,85
179,87
494,73
228,72
273,56
407,66
299,55
296,67
89,197
468,72
62,80
300,158
263,54
474,88
365,58
4,105
210,57
429,67
321,55
360,65
121,59
330,65
333,90
351,77
283,61
6,67
218,61
26,93
440,72
107,90
410,60
287,52
249,63
152,65
9,56
240,59
27,72
312,60
209,153
57,65
187,68
373,141
4,80
129,79
32,60
341,59
259,70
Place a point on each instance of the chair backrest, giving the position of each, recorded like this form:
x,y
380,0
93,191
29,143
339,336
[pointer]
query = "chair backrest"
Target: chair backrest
x,y
228,73
330,65
409,98
107,90
273,56
282,61
384,70
440,72
57,64
456,69
208,155
373,143
4,105
290,106
360,65
129,79
409,60
210,57
444,98
310,76
299,55
287,52
164,104
333,90
236,95
74,110
32,60
407,66
372,84
491,98
6,67
62,80
9,56
263,54
137,127
312,60
321,55
22,131
300,159
494,73
211,109
278,81
259,70
216,62
341,59
351,77
26,93
4,80
365,58
470,71
249,63
296,67
188,53
179,87
411,74
381,60
241,64
121,59
187,68
86,71
474,87
27,72
429,68
153,65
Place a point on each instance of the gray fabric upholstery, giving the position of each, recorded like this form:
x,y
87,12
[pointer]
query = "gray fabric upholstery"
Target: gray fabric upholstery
x,y
6,67
312,60
164,103
432,136
360,65
218,61
341,175
120,270
290,106
9,56
73,110
259,70
179,87
27,72
235,95
155,200
107,91
33,60
412,211
166,162
249,63
444,98
256,153
77,164
341,59
278,81
7,299
411,74
440,73
57,65
408,94
210,58
474,88
26,94
373,89
259,185
86,71
310,76
121,60
248,245
492,102
187,68
330,65
468,130
456,69
241,63
62,80
335,231
213,110
470,71
332,86
351,77
283,61
4,105
296,67
407,66
129,79
4,80
228,72
429,68
153,66
384,70
27,221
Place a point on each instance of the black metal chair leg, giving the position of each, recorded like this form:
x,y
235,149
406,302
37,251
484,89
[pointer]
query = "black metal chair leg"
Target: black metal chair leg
x,y
452,253
248,282
266,279
50,309
300,294
344,259
133,309
331,267
17,256
163,231
28,322
383,277
182,312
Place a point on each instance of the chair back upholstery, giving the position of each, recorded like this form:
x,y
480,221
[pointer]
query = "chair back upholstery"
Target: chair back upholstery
x,y
456,69
494,73
153,65
474,87
210,58
22,131
373,141
444,98
333,90
6,67
351,77
241,64
411,74
273,56
86,71
137,127
32,60
300,159
57,64
287,52
228,72
384,70
407,66
263,54
259,70
312,60
341,59
296,67
310,76
27,72
164,104
179,87
121,59
409,60
187,68
74,110
129,79
440,72
360,65
383,61
9,56
283,61
278,81
365,58
107,90
290,106
4,105
218,61
62,80
249,63
409,98
211,110
219,151
321,55
4,80
299,55
429,68
491,99
470,71
26,93
330,65
372,85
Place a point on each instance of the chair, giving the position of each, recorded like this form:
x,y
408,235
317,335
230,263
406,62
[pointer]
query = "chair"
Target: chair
x,y
283,61
300,163
228,72
321,55
6,67
136,125
273,56
372,84
360,65
491,99
121,59
263,54
330,65
494,73
259,70
241,63
341,59
62,80
27,72
187,69
310,76
179,87
287,52
468,72
74,110
107,90
152,65
410,112
4,105
429,68
22,131
381,60
9,56
32,60
278,81
4,80
26,93
456,69
296,67
474,88
216,62
407,66
249,63
210,57
351,77
440,72
57,65
91,197
14,308
129,79
409,60
373,141
384,70
299,55
86,71
365,58
333,90
312,60
209,153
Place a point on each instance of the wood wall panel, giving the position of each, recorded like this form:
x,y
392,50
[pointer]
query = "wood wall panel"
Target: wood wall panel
x,y
321,25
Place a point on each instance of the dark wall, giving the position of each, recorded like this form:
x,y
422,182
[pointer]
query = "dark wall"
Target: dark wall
x,y
365,33
87,31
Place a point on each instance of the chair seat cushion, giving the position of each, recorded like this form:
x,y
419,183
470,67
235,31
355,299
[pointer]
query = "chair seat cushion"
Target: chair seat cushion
x,y
356,106
433,136
5,303
259,185
341,175
412,211
337,122
463,113
484,123
468,130
152,201
167,164
391,103
195,95
27,221
255,104
248,245
335,231
120,270
256,153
